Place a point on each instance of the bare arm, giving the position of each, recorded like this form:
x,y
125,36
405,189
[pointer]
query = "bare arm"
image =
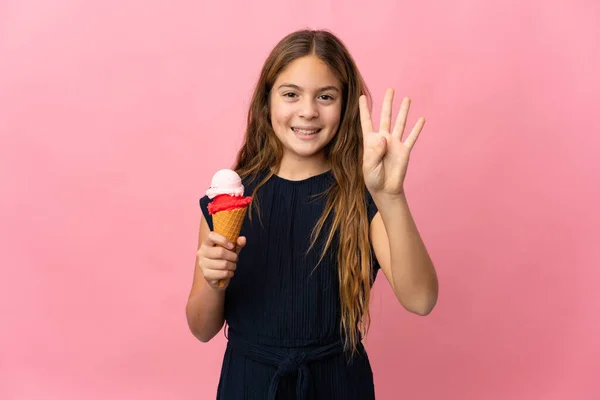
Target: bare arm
x,y
205,305
403,257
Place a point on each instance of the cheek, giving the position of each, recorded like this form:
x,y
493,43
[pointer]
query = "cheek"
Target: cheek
x,y
280,114
332,116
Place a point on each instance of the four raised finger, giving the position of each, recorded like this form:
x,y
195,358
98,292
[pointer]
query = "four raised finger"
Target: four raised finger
x,y
401,118
414,134
386,111
365,116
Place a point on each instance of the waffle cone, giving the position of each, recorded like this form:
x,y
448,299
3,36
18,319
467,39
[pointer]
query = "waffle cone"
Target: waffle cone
x,y
229,223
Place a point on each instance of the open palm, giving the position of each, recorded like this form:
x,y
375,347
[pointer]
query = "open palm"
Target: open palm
x,y
386,155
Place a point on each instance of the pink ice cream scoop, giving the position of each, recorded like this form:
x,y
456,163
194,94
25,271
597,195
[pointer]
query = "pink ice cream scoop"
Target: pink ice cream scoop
x,y
225,181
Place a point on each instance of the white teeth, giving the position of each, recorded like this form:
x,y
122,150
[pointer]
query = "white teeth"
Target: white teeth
x,y
305,131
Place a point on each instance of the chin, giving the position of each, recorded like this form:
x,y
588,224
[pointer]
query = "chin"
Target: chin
x,y
308,151
306,154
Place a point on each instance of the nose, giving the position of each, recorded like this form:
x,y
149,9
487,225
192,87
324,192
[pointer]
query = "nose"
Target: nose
x,y
308,109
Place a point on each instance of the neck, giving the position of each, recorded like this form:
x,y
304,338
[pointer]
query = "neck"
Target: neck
x,y
298,169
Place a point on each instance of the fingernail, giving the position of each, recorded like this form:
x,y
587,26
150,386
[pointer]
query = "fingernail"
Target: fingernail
x,y
230,245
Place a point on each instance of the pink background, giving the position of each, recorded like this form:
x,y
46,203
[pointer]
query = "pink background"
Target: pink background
x,y
115,114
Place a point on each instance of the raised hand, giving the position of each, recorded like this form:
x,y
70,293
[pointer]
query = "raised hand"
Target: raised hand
x,y
386,154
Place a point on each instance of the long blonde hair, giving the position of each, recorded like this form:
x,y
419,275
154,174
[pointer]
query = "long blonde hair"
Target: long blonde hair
x,y
262,151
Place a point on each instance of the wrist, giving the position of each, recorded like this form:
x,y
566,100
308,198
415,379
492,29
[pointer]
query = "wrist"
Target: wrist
x,y
213,289
383,199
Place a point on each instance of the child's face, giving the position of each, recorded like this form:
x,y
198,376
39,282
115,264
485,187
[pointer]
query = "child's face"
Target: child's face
x,y
306,103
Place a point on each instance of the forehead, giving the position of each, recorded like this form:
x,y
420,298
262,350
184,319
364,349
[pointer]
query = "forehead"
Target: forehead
x,y
308,72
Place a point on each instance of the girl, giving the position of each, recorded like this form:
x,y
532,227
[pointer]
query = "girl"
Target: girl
x,y
329,211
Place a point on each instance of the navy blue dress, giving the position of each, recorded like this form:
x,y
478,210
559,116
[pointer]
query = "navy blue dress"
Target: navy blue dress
x,y
282,313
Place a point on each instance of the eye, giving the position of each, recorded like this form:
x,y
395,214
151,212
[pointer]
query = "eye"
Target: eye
x,y
326,97
290,95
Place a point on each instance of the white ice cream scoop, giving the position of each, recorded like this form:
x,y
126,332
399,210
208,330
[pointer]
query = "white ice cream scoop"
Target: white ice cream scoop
x,y
225,181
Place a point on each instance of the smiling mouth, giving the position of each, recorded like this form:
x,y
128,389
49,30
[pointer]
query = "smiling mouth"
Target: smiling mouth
x,y
306,132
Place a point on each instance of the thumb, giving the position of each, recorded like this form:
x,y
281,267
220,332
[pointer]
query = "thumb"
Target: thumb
x,y
375,153
241,242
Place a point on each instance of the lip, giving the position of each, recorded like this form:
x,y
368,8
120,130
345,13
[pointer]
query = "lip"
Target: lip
x,y
307,128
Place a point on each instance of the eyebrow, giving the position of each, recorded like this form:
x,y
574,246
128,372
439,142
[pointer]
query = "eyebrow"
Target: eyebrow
x,y
291,85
